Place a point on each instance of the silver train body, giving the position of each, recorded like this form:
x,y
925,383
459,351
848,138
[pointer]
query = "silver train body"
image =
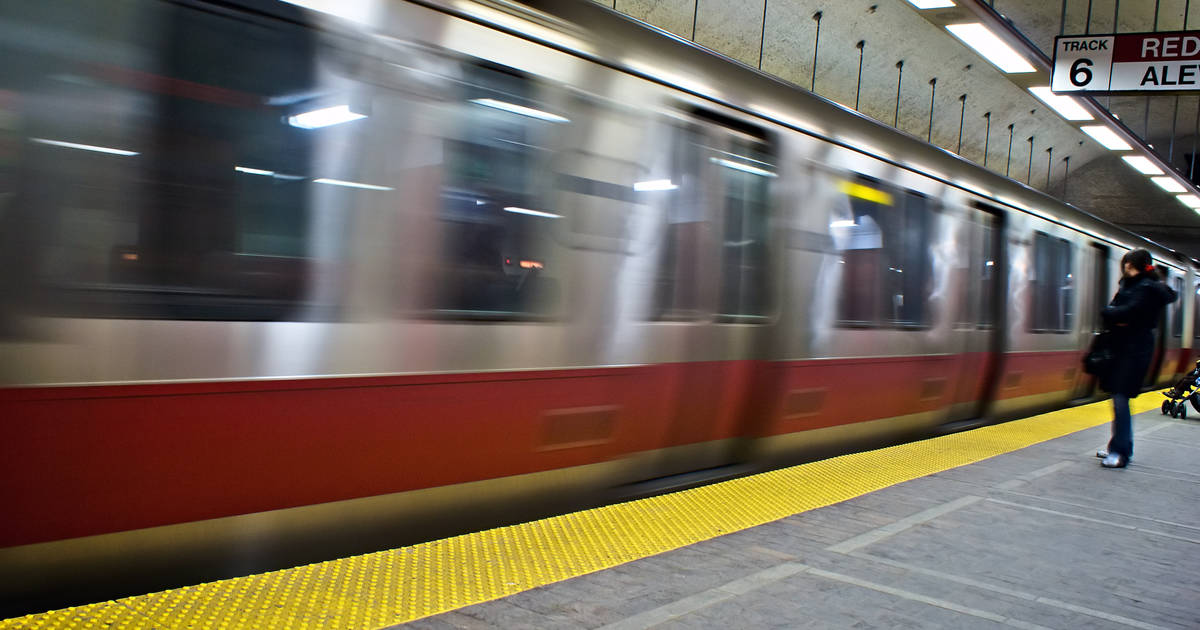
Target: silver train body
x,y
527,195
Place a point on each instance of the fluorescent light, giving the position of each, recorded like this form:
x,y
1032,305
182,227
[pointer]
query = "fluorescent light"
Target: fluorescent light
x,y
992,48
654,184
1066,106
519,109
252,171
326,117
1191,201
85,147
745,168
533,213
1106,137
931,4
1168,184
845,223
1142,164
342,182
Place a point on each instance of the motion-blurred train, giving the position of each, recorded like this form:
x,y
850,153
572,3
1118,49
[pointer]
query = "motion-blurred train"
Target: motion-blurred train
x,y
270,276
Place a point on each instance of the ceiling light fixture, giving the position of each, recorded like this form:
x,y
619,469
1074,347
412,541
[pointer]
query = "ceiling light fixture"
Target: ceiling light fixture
x,y
931,4
1142,164
991,47
1168,184
1191,201
1066,106
1106,137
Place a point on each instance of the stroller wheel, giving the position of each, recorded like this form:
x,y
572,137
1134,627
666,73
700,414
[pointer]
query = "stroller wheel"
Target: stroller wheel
x,y
1166,407
1182,410
1195,398
1175,410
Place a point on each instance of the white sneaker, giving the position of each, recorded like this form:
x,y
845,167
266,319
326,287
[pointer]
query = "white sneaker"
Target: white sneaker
x,y
1113,461
1102,453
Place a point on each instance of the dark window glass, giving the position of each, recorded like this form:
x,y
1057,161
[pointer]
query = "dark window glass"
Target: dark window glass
x,y
496,224
677,281
128,122
723,172
745,175
886,263
1053,285
1177,308
1195,312
987,278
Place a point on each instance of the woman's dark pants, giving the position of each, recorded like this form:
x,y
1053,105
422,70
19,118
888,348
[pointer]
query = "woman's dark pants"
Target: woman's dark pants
x,y
1122,429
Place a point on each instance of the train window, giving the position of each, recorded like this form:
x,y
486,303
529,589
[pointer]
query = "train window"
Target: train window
x,y
717,166
1053,285
745,177
1195,312
496,225
148,184
886,261
1177,308
987,279
677,285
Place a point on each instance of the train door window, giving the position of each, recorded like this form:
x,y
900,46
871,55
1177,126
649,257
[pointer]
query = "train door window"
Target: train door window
x,y
149,185
745,175
1053,285
496,224
886,264
678,286
987,277
1177,308
720,167
1195,312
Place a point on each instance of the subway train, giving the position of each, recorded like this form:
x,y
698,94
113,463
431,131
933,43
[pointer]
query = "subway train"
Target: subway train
x,y
277,283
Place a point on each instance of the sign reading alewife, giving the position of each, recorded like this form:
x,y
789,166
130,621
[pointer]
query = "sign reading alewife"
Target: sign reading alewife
x,y
1132,62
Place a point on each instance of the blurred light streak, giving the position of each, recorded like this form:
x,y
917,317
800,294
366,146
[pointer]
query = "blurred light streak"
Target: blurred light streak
x,y
325,117
532,213
513,108
84,147
342,182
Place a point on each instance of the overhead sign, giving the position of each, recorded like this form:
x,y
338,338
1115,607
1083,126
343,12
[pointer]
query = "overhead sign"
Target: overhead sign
x,y
1130,62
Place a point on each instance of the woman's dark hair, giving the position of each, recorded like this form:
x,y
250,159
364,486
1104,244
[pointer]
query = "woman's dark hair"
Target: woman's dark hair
x,y
1140,259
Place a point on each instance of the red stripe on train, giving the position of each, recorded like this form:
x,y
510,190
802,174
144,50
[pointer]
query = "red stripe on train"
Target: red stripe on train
x,y
79,461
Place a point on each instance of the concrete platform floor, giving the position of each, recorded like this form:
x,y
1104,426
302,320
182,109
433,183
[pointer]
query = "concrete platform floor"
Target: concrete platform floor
x,y
1038,538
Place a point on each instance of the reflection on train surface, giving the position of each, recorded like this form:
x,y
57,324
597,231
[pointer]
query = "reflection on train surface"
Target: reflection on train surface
x,y
269,275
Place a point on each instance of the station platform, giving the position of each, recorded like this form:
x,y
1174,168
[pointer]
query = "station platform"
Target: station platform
x,y
1011,525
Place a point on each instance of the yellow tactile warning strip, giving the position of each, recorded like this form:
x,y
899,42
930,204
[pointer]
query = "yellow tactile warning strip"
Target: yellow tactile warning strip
x,y
391,587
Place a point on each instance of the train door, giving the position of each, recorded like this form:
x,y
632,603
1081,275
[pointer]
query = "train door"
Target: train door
x,y
982,319
712,292
1095,297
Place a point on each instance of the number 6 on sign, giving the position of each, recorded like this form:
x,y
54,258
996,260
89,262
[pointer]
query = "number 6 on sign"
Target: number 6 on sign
x,y
1081,76
1082,64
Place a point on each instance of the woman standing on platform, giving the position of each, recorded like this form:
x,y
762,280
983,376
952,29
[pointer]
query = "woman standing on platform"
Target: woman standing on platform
x,y
1131,318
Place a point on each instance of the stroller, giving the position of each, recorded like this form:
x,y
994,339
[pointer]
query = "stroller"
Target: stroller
x,y
1187,389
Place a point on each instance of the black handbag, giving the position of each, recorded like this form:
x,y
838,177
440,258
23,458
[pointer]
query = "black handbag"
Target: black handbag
x,y
1099,357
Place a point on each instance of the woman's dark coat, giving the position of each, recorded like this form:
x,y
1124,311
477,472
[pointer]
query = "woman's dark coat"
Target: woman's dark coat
x,y
1131,317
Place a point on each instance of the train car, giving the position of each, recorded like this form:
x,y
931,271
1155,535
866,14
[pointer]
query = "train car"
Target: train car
x,y
278,284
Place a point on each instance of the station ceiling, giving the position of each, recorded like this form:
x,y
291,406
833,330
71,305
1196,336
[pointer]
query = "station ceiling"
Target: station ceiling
x,y
780,37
